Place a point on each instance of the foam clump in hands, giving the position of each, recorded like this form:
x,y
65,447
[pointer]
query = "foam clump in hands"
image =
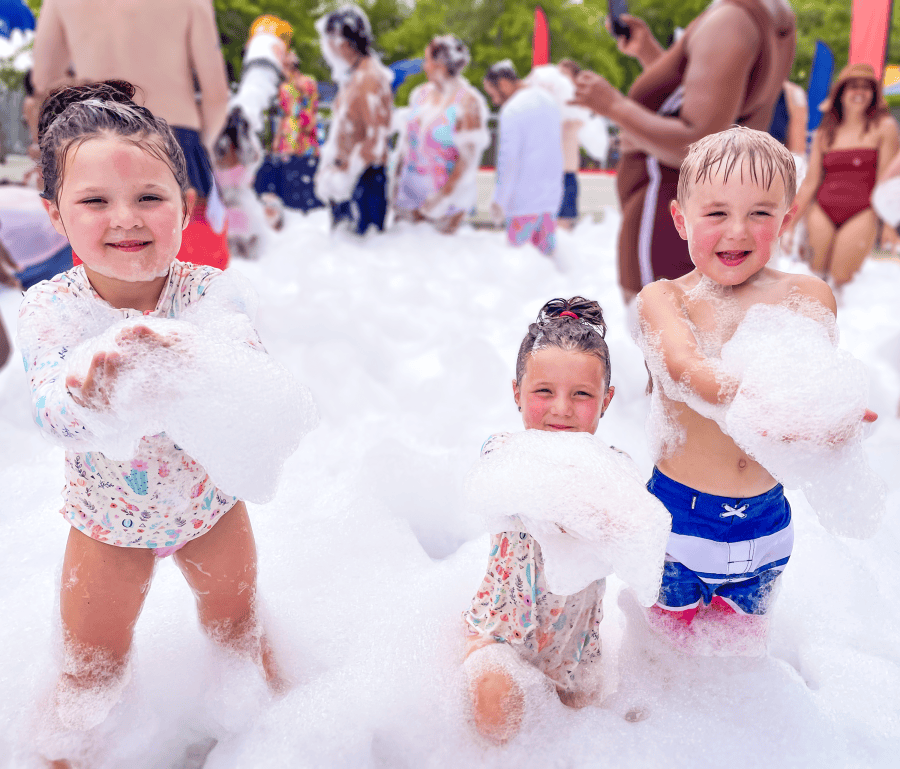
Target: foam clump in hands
x,y
583,502
799,412
203,379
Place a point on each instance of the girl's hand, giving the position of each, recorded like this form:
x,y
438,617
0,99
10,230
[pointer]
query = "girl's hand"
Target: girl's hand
x,y
141,335
95,390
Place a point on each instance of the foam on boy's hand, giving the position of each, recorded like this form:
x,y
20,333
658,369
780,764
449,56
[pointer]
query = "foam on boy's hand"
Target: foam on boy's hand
x,y
799,412
583,502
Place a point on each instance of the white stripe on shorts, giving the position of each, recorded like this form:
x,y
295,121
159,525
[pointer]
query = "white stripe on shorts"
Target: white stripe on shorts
x,y
715,562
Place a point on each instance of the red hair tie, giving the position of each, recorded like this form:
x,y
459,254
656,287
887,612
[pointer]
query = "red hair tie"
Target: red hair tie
x,y
569,313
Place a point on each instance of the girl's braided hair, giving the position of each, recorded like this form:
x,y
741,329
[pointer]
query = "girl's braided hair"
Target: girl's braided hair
x,y
570,324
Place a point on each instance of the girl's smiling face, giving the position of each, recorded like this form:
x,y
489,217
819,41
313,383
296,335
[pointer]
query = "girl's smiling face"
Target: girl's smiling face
x,y
121,209
562,391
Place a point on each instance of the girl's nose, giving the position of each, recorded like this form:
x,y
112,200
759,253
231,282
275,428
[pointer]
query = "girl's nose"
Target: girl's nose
x,y
562,404
125,216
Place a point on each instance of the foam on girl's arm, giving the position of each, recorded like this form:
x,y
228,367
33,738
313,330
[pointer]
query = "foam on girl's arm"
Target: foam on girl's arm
x,y
51,331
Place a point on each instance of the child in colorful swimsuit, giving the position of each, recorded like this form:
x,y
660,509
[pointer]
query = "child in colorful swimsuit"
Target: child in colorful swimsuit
x,y
116,186
562,384
731,524
851,151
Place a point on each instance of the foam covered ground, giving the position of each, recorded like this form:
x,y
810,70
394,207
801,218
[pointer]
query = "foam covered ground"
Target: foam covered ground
x,y
408,343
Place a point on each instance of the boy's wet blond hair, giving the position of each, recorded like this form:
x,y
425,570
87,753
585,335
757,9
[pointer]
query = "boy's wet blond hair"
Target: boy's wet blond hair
x,y
725,151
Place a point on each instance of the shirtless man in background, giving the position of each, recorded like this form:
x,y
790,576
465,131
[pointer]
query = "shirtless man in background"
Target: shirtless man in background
x,y
728,67
161,47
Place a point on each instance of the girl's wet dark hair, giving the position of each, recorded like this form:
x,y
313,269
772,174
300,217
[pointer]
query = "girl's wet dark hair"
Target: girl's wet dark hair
x,y
73,114
556,327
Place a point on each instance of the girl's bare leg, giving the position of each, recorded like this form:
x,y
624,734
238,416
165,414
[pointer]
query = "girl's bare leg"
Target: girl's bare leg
x,y
498,702
101,595
821,232
853,242
220,567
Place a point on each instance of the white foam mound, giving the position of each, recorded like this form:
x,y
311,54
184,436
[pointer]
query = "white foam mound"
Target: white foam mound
x,y
230,406
583,502
886,201
798,412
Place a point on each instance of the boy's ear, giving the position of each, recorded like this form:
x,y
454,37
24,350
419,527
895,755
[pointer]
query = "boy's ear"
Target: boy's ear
x,y
55,219
788,219
610,391
516,392
678,218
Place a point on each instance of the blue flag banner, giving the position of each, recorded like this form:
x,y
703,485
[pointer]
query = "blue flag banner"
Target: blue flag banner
x,y
14,14
819,82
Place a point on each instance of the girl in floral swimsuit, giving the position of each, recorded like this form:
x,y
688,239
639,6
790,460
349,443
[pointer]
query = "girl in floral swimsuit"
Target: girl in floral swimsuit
x,y
116,186
561,385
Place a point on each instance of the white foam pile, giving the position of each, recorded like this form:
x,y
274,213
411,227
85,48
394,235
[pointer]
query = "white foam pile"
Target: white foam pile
x,y
798,412
584,503
367,556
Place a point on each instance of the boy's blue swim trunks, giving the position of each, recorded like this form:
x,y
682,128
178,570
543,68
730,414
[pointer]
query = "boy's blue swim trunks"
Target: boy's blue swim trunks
x,y
720,546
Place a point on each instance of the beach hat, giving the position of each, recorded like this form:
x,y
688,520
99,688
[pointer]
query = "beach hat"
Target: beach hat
x,y
851,72
273,25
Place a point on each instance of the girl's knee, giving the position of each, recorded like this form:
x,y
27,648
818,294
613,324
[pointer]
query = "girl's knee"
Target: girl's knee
x,y
498,704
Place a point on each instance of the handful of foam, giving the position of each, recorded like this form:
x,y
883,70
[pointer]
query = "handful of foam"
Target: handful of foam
x,y
206,382
583,502
798,412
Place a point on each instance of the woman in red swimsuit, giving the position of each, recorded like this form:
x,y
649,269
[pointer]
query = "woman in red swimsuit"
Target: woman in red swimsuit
x,y
851,149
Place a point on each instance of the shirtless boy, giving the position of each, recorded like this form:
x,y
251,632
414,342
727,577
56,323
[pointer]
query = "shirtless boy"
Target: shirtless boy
x,y
731,524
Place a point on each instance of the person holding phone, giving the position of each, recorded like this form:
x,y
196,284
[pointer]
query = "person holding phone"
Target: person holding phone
x,y
727,68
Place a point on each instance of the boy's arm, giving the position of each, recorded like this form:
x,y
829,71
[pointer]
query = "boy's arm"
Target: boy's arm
x,y
667,333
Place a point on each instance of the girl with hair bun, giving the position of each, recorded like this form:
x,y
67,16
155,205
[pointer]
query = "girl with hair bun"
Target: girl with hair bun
x,y
534,621
117,188
442,143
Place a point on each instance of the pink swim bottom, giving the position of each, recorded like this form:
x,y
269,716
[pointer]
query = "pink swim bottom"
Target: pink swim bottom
x,y
539,229
165,552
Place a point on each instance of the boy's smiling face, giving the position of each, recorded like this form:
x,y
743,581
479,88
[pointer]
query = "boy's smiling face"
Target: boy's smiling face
x,y
732,226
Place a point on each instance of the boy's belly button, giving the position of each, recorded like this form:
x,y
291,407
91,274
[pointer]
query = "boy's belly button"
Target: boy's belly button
x,y
742,463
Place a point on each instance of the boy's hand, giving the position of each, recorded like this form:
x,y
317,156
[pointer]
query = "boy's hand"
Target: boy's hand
x,y
94,391
869,416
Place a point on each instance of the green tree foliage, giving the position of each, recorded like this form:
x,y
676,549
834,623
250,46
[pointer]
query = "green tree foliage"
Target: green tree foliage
x,y
499,29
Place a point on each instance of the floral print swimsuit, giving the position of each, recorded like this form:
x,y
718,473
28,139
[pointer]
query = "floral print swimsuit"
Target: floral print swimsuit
x,y
557,634
160,498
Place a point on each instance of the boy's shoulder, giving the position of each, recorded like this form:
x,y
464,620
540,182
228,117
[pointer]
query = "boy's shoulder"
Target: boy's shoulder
x,y
785,287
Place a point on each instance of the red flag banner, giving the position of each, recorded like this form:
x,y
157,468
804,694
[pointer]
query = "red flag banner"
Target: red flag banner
x,y
541,45
869,30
